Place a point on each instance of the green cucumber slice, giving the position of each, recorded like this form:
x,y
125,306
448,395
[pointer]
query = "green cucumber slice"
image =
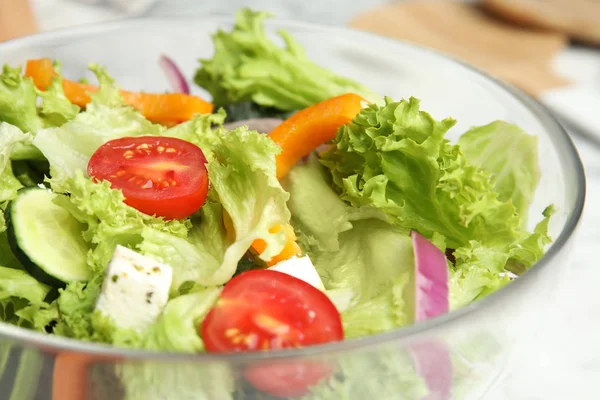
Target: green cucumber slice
x,y
46,239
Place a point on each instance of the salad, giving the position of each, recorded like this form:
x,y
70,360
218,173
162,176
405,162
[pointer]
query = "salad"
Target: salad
x,y
294,208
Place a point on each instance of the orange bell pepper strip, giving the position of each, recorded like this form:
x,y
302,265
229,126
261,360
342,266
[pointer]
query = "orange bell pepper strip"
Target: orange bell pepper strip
x,y
290,249
167,108
311,127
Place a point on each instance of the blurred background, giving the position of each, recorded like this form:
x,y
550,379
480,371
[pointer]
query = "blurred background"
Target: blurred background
x,y
550,49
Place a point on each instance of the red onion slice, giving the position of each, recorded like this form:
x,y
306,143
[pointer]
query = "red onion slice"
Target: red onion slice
x,y
174,75
432,297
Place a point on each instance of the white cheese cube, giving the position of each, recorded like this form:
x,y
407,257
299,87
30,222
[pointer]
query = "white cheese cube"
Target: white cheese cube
x,y
135,290
301,268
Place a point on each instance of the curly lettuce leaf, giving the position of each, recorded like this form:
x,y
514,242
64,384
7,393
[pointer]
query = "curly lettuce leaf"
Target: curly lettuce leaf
x,y
194,258
203,130
22,300
510,155
10,137
69,147
19,102
76,304
396,158
244,186
481,270
247,65
108,220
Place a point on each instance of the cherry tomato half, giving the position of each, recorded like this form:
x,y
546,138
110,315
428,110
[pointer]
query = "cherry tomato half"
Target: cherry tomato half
x,y
265,309
158,175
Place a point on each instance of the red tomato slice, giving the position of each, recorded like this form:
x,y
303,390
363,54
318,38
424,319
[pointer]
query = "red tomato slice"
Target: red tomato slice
x,y
158,175
287,379
264,309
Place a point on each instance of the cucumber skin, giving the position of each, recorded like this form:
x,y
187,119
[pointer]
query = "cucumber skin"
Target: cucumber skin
x,y
32,268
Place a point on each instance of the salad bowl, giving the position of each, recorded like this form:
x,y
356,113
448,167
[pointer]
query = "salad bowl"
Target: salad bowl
x,y
458,355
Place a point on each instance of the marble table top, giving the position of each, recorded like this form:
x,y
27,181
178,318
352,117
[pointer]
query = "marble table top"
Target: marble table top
x,y
564,360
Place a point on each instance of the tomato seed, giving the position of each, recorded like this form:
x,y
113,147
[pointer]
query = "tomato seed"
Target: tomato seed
x,y
128,154
231,332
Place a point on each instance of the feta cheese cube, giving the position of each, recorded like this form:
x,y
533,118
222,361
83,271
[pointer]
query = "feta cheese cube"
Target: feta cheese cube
x,y
301,268
135,290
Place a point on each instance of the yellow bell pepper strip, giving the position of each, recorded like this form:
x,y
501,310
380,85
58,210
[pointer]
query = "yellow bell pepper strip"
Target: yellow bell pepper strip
x,y
311,127
166,108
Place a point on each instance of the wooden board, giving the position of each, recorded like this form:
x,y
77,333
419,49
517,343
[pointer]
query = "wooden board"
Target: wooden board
x,y
580,19
516,54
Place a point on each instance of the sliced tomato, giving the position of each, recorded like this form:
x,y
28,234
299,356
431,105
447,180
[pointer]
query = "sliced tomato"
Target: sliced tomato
x,y
158,175
265,310
287,379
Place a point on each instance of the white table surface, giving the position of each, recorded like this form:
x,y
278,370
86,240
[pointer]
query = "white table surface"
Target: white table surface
x,y
565,360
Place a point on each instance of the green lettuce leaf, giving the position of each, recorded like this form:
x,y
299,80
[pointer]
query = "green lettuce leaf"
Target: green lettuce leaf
x,y
311,198
195,258
358,254
241,170
531,248
69,147
19,97
382,313
7,257
396,158
76,305
478,270
481,270
19,295
510,155
10,136
203,130
247,65
243,177
55,107
375,262
108,220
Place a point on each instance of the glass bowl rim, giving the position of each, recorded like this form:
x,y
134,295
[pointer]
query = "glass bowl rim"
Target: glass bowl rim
x,y
561,140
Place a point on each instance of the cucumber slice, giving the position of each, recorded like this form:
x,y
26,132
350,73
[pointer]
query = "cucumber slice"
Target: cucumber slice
x,y
46,239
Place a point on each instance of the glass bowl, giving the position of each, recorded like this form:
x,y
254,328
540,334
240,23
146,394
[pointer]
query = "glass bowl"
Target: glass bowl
x,y
459,355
